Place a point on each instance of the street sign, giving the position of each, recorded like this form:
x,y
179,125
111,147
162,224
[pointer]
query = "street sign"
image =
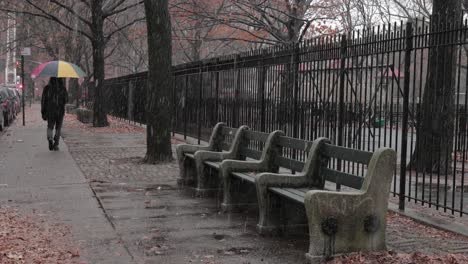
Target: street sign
x,y
26,51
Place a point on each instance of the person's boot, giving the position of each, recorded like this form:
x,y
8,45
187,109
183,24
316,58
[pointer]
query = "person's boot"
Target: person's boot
x,y
51,144
56,147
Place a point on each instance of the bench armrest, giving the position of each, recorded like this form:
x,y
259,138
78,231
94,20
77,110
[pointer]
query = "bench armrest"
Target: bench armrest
x,y
241,165
355,221
204,155
268,218
187,148
281,180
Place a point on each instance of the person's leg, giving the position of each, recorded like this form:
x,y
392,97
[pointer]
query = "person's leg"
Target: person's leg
x,y
58,130
50,128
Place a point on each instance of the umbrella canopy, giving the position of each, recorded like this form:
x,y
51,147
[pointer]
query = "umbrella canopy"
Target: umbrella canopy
x,y
60,69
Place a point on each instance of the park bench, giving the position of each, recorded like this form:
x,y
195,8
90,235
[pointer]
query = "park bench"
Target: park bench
x,y
200,165
274,158
224,143
338,221
84,115
243,192
205,161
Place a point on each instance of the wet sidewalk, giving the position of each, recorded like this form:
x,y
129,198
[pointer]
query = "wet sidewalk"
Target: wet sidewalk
x,y
136,213
161,223
50,184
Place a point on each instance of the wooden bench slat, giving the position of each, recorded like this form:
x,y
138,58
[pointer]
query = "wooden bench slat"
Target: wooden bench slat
x,y
294,143
291,164
304,190
287,193
298,191
251,153
343,178
244,176
213,164
256,136
343,153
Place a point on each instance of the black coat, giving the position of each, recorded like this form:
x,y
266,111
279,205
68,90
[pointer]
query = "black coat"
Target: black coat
x,y
53,102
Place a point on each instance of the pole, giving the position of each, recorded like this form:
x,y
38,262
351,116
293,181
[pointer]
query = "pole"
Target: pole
x,y
341,90
24,88
341,105
261,87
31,95
200,88
404,138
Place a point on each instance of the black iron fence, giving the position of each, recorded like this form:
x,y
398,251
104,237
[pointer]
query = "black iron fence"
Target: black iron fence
x,y
363,90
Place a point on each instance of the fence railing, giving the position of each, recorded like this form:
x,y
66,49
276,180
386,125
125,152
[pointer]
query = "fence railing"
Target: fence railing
x,y
363,90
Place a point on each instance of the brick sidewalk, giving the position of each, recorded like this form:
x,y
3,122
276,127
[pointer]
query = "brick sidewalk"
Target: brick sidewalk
x,y
159,222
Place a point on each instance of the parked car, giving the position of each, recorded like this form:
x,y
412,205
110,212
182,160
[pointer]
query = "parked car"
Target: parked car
x,y
17,98
8,106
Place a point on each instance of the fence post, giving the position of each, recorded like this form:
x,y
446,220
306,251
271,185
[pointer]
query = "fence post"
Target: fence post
x,y
130,108
185,106
200,88
404,137
217,92
341,105
295,65
174,104
236,108
261,90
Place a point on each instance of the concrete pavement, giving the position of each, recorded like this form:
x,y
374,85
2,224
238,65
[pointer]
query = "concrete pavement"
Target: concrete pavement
x,y
136,213
162,223
34,179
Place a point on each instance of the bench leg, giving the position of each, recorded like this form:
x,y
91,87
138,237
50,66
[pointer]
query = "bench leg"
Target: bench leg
x,y
226,204
207,184
186,177
181,159
341,224
231,201
269,209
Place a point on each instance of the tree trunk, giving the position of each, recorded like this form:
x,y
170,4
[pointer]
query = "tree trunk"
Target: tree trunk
x,y
285,111
160,82
74,87
434,145
99,44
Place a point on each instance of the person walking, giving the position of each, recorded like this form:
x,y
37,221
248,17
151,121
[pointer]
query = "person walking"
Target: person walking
x,y
54,98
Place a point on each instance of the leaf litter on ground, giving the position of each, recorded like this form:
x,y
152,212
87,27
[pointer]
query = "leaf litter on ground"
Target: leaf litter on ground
x,y
28,239
405,224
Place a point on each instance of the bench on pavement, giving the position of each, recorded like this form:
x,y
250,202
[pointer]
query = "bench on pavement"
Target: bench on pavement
x,y
218,147
274,157
338,221
243,192
84,115
206,183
